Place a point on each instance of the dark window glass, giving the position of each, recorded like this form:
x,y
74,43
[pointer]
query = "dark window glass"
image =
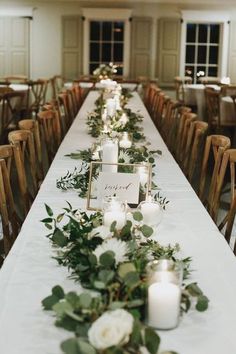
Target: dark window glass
x,y
213,55
202,33
94,52
118,52
191,32
190,54
201,57
106,52
215,33
92,67
212,71
189,70
106,31
118,31
120,69
94,31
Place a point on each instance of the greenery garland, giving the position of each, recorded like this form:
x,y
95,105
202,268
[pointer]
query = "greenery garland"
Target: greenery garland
x,y
113,264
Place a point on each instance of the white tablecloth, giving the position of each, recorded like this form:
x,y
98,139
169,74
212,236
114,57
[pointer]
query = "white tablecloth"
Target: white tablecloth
x,y
29,272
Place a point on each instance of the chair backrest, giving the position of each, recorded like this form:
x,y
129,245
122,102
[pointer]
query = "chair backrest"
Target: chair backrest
x,y
9,219
12,154
21,79
179,86
25,141
217,144
206,80
228,90
66,110
57,83
50,130
36,95
169,123
213,107
159,100
228,162
192,152
33,127
182,135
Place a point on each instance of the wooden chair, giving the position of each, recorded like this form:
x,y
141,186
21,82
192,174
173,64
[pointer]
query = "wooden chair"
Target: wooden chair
x,y
36,96
169,123
228,163
24,140
13,158
228,90
179,87
66,110
217,144
10,221
17,79
182,134
209,80
192,152
50,131
33,127
158,109
213,111
57,83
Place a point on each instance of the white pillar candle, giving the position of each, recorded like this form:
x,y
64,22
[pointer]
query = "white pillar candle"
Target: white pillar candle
x,y
111,107
152,213
163,305
143,174
110,155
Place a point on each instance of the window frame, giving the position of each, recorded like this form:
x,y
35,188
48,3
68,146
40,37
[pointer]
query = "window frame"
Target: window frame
x,y
94,14
207,17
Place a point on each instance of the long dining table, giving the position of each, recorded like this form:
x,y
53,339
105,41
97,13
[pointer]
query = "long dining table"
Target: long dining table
x,y
29,271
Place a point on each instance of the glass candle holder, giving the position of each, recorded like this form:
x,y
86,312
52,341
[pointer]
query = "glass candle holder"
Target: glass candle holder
x,y
143,172
125,141
114,210
152,212
164,294
109,152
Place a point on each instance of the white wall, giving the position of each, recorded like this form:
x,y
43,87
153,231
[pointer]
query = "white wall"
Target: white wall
x,y
46,26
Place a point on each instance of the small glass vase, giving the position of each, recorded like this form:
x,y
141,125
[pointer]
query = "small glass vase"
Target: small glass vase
x,y
152,212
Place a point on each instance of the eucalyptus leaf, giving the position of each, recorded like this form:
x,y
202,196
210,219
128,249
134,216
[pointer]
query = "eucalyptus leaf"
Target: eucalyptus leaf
x,y
70,346
85,300
106,276
46,220
117,305
99,285
125,268
49,302
62,307
138,216
131,279
85,347
107,259
113,226
152,340
58,292
146,230
194,289
49,210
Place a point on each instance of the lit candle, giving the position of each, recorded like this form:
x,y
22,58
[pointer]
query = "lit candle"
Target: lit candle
x,y
110,155
115,211
163,305
143,174
111,107
125,141
152,212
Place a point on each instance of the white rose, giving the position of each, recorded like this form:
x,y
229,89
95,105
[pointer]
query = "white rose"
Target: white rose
x,y
112,328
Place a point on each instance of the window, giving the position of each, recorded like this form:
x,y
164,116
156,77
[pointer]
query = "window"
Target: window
x,y
106,44
202,50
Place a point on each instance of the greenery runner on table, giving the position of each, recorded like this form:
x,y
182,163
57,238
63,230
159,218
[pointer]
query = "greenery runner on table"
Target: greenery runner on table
x,y
108,318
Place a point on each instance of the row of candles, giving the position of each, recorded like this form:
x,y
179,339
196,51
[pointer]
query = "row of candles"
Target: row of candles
x,y
165,279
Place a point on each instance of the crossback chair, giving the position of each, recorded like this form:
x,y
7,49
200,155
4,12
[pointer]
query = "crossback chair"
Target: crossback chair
x,y
228,90
10,221
192,152
66,110
50,131
57,83
228,163
179,87
33,127
182,135
169,123
218,144
36,95
12,156
159,101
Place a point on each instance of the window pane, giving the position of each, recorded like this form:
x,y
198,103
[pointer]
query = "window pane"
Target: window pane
x,y
92,67
106,52
118,31
190,54
201,54
202,33
189,71
213,56
191,32
94,51
120,69
118,52
106,31
215,33
212,71
94,31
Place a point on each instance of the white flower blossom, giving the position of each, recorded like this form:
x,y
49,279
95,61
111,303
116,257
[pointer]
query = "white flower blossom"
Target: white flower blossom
x,y
101,231
112,328
120,249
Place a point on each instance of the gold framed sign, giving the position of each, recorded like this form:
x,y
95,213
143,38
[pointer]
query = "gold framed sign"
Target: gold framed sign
x,y
130,182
